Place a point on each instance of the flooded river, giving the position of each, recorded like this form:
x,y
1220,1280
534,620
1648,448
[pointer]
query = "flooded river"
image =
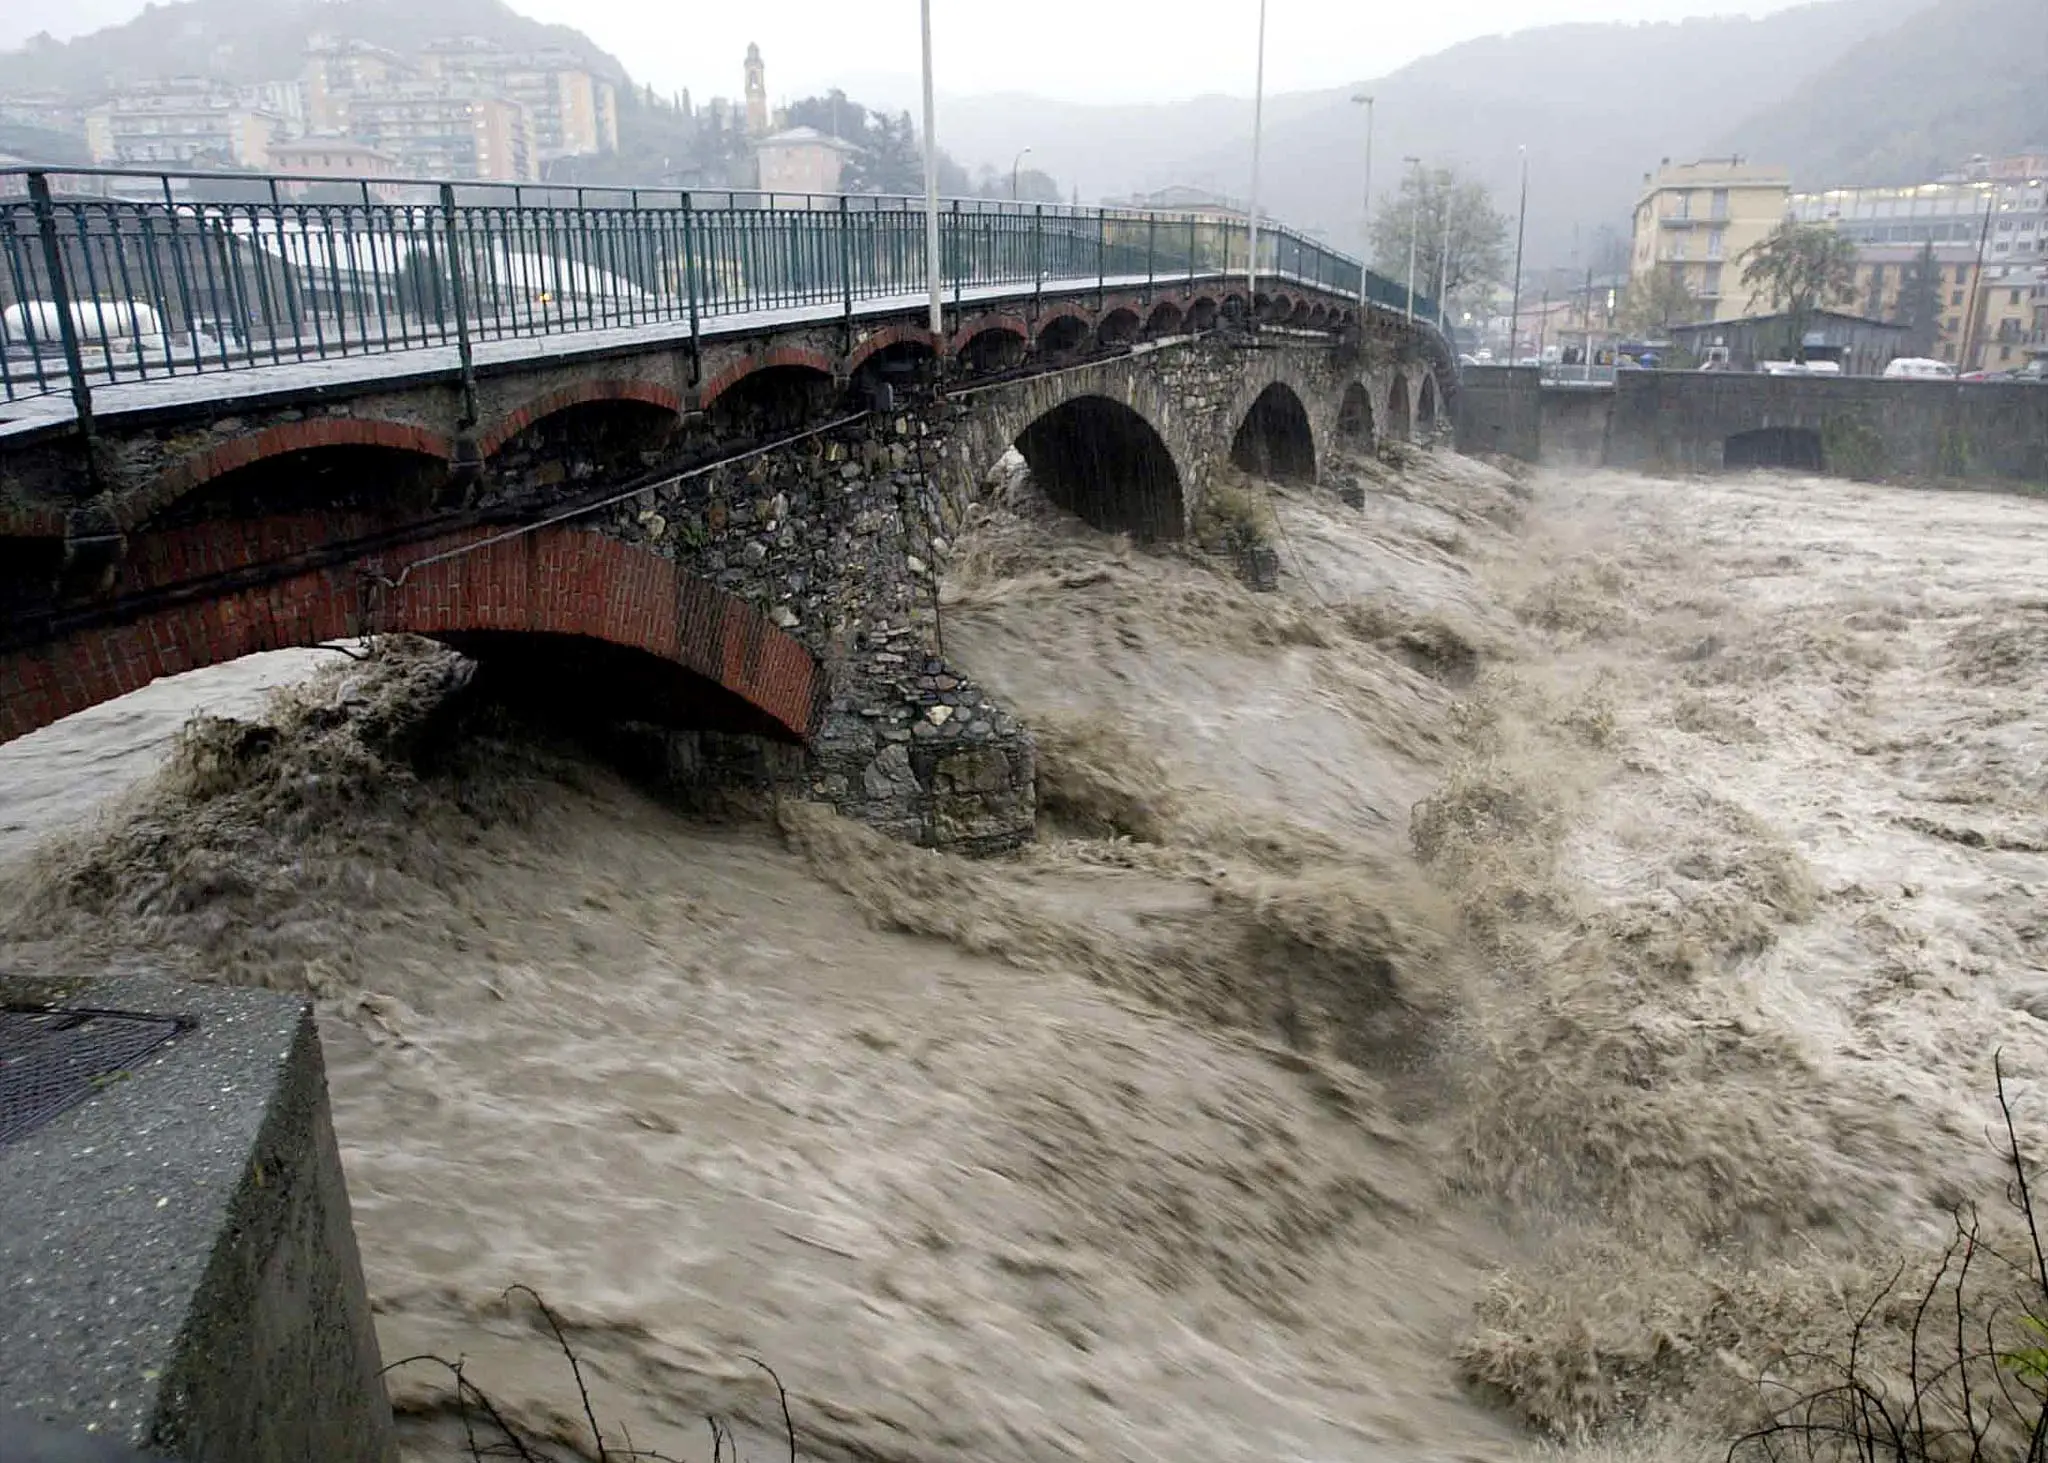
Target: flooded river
x,y
1511,982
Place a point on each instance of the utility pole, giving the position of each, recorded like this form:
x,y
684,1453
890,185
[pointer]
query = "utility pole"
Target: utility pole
x,y
1251,274
931,185
1443,272
1365,215
1971,310
1414,233
1515,309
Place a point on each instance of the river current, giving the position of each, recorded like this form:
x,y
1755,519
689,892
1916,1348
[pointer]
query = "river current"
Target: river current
x,y
1505,987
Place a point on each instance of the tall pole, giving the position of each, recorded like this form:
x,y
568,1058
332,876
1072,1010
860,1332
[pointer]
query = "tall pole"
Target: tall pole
x,y
1443,271
1365,214
1251,273
1515,309
1017,163
1414,233
1970,305
931,183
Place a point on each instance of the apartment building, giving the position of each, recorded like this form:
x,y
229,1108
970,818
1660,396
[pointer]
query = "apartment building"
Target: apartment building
x,y
570,110
1694,220
188,122
333,156
336,71
2008,216
439,131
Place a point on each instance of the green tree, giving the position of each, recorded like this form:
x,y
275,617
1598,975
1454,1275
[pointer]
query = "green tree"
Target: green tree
x,y
1657,301
1478,233
1802,268
1919,306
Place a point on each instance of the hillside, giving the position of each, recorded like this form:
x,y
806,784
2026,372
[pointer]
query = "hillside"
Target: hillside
x,y
245,41
1596,105
1962,78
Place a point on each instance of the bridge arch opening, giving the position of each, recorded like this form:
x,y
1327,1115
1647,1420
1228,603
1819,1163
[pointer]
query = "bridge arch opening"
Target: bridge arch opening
x,y
1104,463
656,645
1304,312
1425,404
1400,423
1275,440
898,365
772,399
1165,319
381,482
1062,335
1354,415
601,439
997,348
1794,447
1202,314
1118,327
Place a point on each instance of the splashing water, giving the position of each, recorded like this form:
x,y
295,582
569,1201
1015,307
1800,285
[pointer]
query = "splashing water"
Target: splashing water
x,y
1527,972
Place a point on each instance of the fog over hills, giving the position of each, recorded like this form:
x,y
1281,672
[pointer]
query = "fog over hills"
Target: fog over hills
x,y
1845,91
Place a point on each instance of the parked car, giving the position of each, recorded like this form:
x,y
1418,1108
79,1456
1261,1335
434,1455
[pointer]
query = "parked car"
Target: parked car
x,y
1919,368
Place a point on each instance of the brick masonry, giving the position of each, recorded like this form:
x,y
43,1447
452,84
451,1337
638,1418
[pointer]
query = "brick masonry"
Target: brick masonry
x,y
802,579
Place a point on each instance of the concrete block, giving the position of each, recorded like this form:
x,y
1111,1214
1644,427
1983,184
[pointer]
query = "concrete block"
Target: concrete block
x,y
176,1252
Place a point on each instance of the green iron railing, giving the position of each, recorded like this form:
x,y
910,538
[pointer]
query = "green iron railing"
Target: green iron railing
x,y
110,276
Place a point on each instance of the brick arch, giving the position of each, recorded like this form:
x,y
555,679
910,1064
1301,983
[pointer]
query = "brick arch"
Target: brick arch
x,y
517,420
555,581
1063,312
301,436
1015,325
745,366
881,340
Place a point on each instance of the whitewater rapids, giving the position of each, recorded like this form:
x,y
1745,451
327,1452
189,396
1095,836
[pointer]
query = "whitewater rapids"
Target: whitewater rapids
x,y
1508,984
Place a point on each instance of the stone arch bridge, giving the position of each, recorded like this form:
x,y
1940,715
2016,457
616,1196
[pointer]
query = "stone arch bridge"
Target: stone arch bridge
x,y
741,540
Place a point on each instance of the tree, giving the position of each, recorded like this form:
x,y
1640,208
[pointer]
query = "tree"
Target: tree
x,y
1803,267
1919,306
1478,234
1657,301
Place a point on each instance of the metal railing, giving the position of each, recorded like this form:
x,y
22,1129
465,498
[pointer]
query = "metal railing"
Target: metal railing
x,y
110,276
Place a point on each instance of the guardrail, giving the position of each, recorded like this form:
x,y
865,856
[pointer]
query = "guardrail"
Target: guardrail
x,y
111,275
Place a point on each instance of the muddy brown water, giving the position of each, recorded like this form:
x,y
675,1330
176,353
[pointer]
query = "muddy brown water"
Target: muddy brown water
x,y
1563,896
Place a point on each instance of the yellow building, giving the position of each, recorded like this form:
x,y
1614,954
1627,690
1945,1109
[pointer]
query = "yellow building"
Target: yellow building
x,y
801,160
1694,220
570,111
188,123
2011,322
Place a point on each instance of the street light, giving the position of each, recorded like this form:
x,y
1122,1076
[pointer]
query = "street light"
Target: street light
x,y
931,182
1443,268
1018,163
1414,231
1365,214
1515,309
1251,271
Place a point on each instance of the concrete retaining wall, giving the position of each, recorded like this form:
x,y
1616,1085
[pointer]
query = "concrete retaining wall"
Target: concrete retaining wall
x,y
1681,421
177,1258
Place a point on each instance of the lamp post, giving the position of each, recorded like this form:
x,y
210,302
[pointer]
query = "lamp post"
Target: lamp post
x,y
1015,164
1365,214
1443,270
1414,233
1251,272
931,183
1515,309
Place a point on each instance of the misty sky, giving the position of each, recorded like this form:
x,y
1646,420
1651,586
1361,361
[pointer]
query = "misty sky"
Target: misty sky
x,y
1110,50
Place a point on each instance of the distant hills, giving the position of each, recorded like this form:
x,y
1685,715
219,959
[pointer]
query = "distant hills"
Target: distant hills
x,y
1965,77
1847,91
247,41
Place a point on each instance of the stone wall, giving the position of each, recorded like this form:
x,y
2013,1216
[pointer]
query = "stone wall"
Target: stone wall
x,y
1681,421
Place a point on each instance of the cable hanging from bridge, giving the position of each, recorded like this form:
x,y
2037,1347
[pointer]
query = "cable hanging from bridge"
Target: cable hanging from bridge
x,y
582,509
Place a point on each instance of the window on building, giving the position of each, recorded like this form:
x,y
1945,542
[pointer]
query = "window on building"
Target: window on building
x,y
1717,243
2015,297
1955,297
1720,205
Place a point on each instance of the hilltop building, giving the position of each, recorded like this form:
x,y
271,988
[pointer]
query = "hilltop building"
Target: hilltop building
x,y
801,160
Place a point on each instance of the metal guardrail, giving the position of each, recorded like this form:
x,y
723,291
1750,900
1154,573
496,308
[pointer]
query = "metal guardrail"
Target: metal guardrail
x,y
110,276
